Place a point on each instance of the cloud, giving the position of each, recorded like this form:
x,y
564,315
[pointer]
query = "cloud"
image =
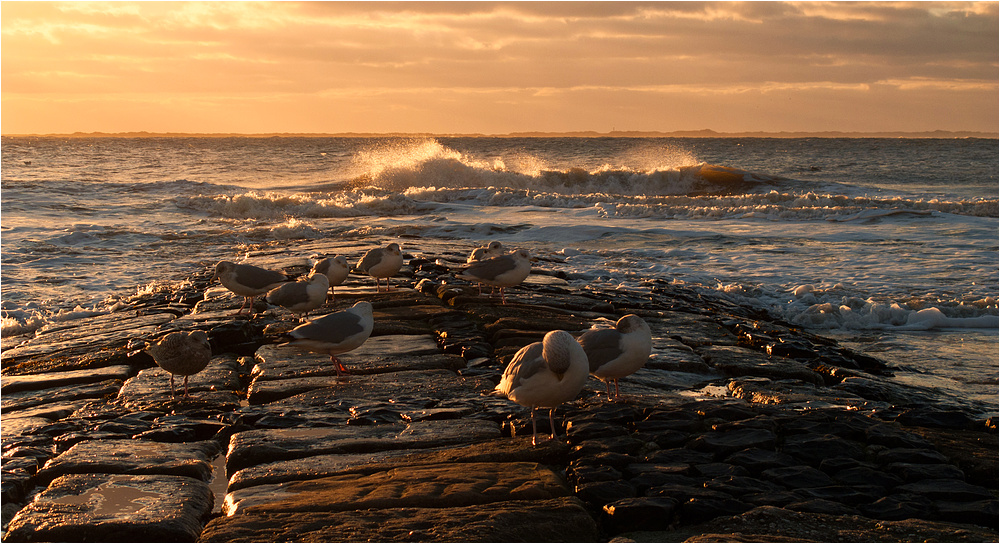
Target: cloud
x,y
473,49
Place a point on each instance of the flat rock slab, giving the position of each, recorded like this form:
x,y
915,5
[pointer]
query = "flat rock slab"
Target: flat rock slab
x,y
554,520
53,411
433,384
290,365
45,413
650,383
250,448
83,334
358,286
151,387
378,355
411,311
35,382
134,457
740,361
14,426
676,359
411,344
314,467
319,466
114,508
794,393
28,399
694,330
771,524
435,486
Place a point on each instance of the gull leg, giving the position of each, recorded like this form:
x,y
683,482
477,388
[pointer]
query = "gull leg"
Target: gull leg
x,y
250,307
339,367
616,388
185,387
171,386
238,312
534,431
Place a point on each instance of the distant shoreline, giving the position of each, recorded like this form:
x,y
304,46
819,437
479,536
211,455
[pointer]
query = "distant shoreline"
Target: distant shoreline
x,y
943,134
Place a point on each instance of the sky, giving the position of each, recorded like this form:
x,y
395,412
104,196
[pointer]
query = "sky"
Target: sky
x,y
497,68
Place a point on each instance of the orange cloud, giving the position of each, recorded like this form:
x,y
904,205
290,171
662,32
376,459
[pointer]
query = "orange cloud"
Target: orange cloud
x,y
407,57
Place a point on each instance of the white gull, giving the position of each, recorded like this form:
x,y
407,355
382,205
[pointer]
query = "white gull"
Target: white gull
x,y
382,263
336,270
545,374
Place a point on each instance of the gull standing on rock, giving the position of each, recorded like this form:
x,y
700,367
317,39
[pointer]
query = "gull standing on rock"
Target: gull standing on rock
x,y
504,271
301,297
248,281
545,374
382,263
335,269
618,352
494,249
182,354
336,333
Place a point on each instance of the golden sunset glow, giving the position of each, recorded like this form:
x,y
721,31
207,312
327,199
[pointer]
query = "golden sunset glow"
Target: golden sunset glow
x,y
495,68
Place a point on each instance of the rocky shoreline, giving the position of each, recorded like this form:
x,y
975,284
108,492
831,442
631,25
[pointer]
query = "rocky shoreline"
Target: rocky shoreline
x,y
739,428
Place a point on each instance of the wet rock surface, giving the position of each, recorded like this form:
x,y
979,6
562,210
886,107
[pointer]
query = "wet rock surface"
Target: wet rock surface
x,y
105,508
739,428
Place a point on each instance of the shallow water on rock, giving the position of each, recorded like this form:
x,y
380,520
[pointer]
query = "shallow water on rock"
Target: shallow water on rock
x,y
112,498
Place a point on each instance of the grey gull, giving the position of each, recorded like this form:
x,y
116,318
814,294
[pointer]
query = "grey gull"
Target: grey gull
x,y
504,271
618,352
248,281
301,297
336,333
181,354
494,249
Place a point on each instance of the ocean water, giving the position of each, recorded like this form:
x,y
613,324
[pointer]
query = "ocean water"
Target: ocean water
x,y
888,245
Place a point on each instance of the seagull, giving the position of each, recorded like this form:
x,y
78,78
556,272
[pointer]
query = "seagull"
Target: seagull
x,y
336,269
618,352
247,281
382,263
301,297
335,333
504,271
181,353
494,249
545,374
